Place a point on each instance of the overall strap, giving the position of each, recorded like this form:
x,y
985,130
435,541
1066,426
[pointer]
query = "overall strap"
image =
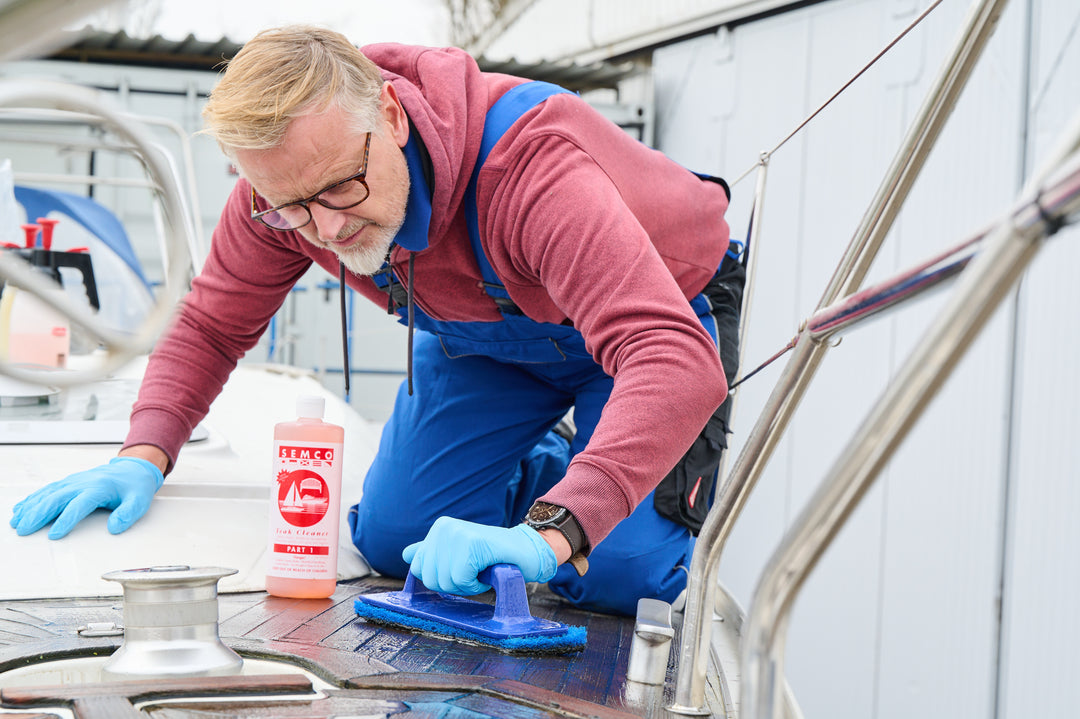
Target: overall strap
x,y
504,113
397,293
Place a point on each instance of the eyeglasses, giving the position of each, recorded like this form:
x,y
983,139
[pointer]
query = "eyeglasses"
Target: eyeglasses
x,y
340,195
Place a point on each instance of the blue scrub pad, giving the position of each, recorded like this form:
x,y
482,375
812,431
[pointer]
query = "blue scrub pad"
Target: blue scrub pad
x,y
508,625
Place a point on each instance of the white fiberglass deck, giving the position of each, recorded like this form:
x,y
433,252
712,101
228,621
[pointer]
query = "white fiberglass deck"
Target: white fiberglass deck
x,y
212,509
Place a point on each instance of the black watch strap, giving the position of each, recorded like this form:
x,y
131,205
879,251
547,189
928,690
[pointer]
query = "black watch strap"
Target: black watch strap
x,y
543,515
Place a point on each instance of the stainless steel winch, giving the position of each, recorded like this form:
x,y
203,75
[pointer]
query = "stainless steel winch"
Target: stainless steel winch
x,y
170,625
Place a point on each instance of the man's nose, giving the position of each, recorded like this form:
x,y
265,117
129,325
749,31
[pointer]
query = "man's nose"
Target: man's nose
x,y
328,223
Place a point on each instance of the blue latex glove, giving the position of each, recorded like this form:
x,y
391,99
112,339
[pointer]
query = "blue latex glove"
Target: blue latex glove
x,y
455,551
125,485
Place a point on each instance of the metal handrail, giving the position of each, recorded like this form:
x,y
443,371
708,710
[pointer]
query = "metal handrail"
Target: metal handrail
x,y
189,201
808,353
64,179
1007,252
197,249
874,301
121,348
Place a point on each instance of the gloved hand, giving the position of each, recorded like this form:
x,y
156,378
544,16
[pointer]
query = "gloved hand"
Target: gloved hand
x,y
455,551
125,484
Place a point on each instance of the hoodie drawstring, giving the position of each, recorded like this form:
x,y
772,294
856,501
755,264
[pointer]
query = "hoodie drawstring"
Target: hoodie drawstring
x,y
409,293
411,314
344,330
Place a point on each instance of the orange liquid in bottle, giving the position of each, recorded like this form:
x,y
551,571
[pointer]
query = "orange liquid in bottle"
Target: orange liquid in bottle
x,y
305,502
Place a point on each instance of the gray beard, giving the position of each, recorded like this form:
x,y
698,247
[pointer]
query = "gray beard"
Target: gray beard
x,y
367,260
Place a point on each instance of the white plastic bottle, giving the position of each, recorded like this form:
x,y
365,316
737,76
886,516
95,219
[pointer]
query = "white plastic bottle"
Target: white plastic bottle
x,y
33,332
305,500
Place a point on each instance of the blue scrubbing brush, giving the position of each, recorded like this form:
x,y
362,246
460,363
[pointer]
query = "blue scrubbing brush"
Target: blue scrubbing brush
x,y
508,625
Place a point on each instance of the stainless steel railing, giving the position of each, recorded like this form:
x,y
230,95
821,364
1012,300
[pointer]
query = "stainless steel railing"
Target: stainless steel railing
x,y
1006,253
120,348
809,351
29,27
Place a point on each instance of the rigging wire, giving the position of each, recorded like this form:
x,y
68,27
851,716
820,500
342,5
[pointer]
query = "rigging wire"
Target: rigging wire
x,y
911,26
764,157
789,346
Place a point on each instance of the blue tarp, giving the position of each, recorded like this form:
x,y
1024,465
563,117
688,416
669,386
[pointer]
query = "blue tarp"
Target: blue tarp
x,y
97,220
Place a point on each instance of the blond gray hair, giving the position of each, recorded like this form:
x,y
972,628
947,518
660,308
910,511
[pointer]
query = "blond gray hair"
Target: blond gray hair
x,y
284,73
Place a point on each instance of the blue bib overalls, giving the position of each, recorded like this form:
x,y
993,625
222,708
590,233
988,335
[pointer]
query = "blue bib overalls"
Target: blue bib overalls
x,y
474,440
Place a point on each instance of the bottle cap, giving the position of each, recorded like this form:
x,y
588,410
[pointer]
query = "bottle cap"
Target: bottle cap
x,y
310,406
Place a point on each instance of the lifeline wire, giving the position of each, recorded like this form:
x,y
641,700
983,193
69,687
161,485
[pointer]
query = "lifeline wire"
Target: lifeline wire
x,y
766,155
1054,224
845,86
764,364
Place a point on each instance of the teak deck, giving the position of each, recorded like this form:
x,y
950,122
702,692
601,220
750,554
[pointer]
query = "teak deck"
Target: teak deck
x,y
381,671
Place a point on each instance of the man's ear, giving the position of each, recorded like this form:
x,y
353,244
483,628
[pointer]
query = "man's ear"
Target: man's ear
x,y
394,114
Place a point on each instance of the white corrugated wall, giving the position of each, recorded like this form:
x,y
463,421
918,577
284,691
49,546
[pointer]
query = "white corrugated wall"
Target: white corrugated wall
x,y
901,616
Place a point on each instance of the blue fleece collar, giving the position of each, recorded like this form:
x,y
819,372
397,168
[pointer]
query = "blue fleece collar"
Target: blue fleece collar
x,y
413,234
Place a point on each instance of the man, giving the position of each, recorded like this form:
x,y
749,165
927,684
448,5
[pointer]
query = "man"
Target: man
x,y
574,290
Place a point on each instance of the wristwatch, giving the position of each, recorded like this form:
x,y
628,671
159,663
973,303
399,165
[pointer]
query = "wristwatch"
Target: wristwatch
x,y
543,515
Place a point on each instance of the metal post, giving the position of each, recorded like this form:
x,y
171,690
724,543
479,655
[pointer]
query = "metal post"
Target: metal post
x,y
700,603
753,247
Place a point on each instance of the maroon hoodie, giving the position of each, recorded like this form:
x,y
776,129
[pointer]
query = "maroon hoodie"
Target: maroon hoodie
x,y
580,222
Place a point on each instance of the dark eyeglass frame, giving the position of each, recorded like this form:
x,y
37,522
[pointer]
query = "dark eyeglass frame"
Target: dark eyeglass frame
x,y
360,177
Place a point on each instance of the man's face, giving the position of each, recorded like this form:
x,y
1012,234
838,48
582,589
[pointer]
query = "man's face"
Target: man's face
x,y
319,150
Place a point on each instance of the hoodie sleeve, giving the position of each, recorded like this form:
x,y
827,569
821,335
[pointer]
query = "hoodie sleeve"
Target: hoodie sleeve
x,y
244,281
552,217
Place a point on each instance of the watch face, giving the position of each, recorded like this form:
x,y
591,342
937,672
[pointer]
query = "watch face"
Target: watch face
x,y
543,512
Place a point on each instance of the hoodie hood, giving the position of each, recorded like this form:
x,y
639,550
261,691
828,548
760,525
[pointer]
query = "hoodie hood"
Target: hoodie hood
x,y
455,95
446,99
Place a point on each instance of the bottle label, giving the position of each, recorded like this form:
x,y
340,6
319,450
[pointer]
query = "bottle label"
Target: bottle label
x,y
305,499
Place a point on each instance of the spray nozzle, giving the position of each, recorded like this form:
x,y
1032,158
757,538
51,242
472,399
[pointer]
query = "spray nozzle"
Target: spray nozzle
x,y
31,231
47,226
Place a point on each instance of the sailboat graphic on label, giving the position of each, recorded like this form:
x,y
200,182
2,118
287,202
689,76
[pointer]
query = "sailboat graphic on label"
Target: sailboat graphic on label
x,y
292,501
302,498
